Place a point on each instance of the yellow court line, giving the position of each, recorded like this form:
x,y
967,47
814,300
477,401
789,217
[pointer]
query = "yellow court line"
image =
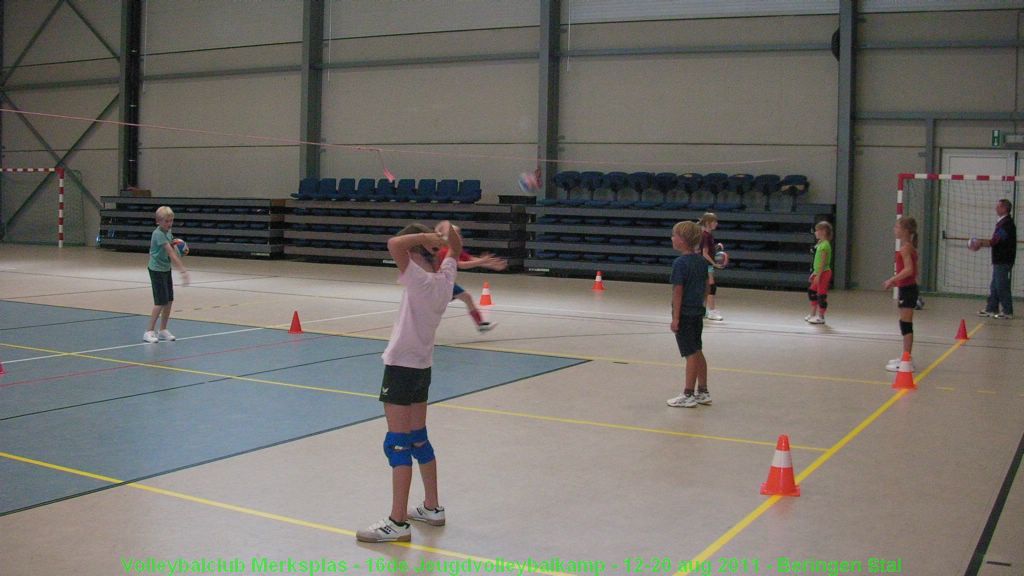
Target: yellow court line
x,y
253,511
619,426
771,501
376,397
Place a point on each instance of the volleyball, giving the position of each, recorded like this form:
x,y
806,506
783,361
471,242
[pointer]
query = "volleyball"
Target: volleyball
x,y
722,258
180,246
529,182
974,244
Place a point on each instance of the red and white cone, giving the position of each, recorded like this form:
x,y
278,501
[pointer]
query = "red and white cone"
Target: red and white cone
x,y
780,476
598,283
904,375
485,295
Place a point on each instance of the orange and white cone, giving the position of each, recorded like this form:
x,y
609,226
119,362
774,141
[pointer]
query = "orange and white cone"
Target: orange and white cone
x,y
961,334
296,325
485,295
904,375
780,476
598,283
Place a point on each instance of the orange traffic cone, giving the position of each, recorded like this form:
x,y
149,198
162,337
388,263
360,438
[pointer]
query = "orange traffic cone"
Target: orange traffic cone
x,y
485,295
598,283
904,375
296,326
780,476
961,334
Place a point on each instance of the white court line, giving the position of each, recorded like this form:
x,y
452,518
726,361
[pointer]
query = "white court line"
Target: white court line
x,y
273,326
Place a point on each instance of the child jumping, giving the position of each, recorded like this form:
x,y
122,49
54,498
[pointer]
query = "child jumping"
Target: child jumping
x,y
407,362
905,280
689,286
821,275
466,261
161,255
708,248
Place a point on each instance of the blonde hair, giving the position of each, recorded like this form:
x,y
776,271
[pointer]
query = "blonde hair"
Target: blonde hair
x,y
826,226
164,212
708,218
909,224
689,232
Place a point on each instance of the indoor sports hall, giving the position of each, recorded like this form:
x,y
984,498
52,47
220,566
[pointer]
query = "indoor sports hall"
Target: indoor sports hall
x,y
292,138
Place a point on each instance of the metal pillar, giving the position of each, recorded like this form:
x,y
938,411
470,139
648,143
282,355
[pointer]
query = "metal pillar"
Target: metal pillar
x,y
547,89
311,121
130,90
844,140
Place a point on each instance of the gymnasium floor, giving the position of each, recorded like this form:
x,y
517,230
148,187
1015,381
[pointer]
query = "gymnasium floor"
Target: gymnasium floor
x,y
246,445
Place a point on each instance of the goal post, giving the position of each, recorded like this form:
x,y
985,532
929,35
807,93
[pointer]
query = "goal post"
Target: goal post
x,y
950,209
18,188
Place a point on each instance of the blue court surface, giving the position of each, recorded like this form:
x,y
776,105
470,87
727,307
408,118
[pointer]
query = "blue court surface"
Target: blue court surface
x,y
82,391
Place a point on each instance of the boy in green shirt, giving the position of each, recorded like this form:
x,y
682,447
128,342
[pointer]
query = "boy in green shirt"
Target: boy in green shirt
x,y
161,255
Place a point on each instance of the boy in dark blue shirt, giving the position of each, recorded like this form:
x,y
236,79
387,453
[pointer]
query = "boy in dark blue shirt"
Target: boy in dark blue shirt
x,y
689,286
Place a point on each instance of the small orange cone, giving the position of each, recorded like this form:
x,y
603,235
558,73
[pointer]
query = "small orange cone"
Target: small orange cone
x,y
780,476
485,295
904,375
598,283
961,334
296,326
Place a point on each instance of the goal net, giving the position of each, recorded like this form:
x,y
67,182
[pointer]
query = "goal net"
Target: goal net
x,y
42,206
950,209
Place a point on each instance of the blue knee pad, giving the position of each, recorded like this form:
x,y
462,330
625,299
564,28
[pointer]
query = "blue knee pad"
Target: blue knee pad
x,y
397,449
421,448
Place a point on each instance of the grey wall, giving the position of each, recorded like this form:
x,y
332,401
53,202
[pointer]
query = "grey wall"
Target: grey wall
x,y
449,89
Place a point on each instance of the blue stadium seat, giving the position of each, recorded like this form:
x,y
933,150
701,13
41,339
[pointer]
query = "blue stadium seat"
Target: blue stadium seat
x,y
405,189
591,182
567,181
469,192
739,185
385,191
327,189
714,184
665,182
616,182
446,190
794,186
642,181
346,188
364,190
307,189
425,191
766,184
690,183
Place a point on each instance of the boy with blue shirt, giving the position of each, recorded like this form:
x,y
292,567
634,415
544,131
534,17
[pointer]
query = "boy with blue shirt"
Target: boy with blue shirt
x,y
161,255
689,287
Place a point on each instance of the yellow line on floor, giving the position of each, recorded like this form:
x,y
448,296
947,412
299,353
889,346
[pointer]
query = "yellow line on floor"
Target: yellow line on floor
x,y
618,426
252,511
376,397
724,539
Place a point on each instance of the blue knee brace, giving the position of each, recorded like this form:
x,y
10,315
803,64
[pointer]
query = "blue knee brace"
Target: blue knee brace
x,y
397,449
421,448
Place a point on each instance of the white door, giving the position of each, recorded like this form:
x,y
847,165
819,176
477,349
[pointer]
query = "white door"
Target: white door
x,y
963,214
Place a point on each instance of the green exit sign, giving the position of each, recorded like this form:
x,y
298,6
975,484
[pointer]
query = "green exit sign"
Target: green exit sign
x,y
997,138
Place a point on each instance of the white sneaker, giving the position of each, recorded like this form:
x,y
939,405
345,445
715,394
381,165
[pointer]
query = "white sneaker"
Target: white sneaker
x,y
893,362
432,517
1003,316
485,326
713,315
385,531
896,367
817,320
703,398
984,313
150,337
682,401
808,317
166,335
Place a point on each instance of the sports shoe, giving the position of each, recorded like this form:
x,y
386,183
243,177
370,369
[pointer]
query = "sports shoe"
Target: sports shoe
x,y
894,362
166,335
682,401
424,514
896,367
817,320
485,326
808,317
703,398
985,313
713,315
385,531
150,337
1003,316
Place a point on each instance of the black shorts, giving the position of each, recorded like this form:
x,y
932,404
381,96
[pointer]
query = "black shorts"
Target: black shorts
x,y
163,287
404,386
907,296
688,337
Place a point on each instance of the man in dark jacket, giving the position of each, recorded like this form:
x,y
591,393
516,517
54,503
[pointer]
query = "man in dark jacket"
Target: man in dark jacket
x,y
1004,253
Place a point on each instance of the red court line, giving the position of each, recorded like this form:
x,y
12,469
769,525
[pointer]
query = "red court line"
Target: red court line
x,y
163,361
